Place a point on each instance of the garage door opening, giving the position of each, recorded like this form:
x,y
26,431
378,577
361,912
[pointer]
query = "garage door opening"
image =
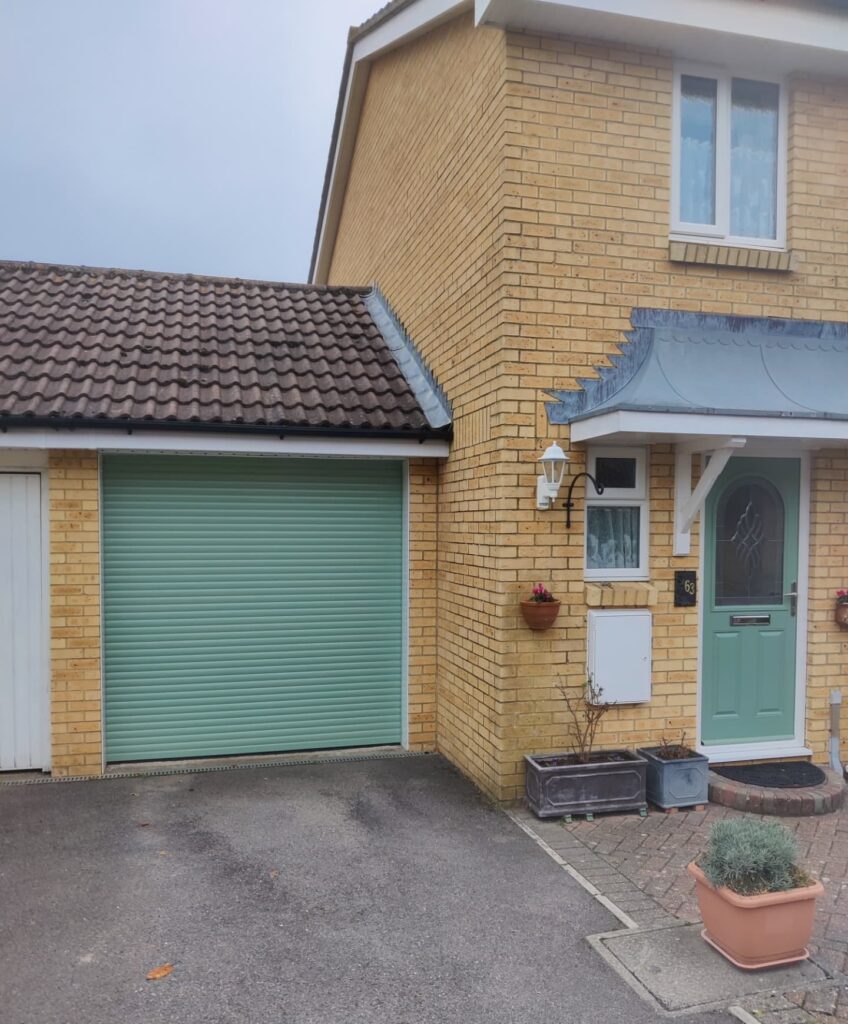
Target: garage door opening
x,y
251,605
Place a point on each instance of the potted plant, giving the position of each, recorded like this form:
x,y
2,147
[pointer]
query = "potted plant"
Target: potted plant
x,y
540,609
841,612
677,776
585,780
756,903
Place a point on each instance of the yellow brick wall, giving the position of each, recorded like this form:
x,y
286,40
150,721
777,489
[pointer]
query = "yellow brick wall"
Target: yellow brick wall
x,y
76,713
827,643
423,536
423,217
75,706
511,195
588,141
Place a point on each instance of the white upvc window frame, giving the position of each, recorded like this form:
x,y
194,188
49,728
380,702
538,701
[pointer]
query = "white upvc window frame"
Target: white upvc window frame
x,y
636,497
719,233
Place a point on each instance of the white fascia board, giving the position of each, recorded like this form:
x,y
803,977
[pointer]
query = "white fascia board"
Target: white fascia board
x,y
626,427
408,23
219,444
732,32
418,17
341,158
22,458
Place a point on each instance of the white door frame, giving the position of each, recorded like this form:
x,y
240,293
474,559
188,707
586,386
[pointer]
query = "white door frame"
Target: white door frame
x,y
785,748
34,463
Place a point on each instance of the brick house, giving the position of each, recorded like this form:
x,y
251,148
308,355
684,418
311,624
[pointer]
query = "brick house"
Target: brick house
x,y
629,235
246,517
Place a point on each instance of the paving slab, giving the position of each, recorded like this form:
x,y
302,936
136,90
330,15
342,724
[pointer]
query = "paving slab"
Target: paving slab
x,y
681,972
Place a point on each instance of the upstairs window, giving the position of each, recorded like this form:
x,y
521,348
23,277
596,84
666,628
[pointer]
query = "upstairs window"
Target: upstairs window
x,y
729,178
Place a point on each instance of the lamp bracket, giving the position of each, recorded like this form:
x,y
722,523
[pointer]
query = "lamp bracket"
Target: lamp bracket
x,y
545,493
569,501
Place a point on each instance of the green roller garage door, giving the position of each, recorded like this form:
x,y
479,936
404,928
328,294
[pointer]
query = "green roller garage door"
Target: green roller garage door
x,y
251,605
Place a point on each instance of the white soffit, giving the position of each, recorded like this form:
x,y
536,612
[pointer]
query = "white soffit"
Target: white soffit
x,y
780,36
780,432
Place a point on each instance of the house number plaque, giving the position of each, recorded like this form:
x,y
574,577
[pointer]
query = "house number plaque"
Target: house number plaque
x,y
685,588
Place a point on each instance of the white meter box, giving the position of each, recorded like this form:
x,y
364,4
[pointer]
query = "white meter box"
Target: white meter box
x,y
619,659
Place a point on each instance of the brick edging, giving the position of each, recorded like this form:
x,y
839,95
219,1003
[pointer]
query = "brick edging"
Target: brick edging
x,y
806,802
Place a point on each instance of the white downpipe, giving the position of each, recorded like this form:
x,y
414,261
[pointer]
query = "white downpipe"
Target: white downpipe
x,y
835,745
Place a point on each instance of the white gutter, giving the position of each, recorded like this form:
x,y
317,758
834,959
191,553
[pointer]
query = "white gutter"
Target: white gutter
x,y
220,444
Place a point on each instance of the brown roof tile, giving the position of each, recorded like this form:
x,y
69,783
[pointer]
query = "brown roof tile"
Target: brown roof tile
x,y
109,347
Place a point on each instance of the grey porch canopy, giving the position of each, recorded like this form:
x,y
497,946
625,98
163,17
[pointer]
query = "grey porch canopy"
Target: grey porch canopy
x,y
699,364
714,384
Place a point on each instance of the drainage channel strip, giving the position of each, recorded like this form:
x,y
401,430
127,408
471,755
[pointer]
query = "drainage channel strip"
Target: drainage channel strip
x,y
47,780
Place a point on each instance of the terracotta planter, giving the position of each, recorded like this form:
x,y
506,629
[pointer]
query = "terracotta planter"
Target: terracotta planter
x,y
540,614
753,932
841,615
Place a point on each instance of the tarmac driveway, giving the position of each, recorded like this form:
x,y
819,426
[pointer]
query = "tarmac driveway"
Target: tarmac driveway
x,y
376,891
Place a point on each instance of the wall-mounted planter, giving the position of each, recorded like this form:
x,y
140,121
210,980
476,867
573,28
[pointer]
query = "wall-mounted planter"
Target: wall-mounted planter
x,y
682,782
559,784
841,615
540,614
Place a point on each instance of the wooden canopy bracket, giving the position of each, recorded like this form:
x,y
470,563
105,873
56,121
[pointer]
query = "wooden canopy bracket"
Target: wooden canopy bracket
x,y
688,502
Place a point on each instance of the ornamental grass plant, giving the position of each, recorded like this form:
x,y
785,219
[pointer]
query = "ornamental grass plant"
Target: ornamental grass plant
x,y
751,857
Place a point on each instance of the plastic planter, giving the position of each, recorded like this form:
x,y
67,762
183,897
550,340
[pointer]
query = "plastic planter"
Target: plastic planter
x,y
676,783
754,932
614,780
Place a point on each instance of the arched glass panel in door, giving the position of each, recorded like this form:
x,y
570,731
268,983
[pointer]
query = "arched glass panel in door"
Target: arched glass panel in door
x,y
749,547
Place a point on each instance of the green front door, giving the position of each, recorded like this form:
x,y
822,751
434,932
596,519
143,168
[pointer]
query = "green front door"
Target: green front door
x,y
251,605
750,575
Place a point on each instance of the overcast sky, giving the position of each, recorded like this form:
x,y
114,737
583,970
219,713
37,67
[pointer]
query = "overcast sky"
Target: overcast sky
x,y
185,135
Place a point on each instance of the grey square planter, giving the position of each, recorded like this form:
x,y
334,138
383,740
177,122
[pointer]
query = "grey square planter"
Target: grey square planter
x,y
680,783
613,781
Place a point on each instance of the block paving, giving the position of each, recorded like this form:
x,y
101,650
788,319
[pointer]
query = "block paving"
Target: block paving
x,y
639,864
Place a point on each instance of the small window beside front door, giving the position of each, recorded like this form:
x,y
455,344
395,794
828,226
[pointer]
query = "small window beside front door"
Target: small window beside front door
x,y
749,545
617,520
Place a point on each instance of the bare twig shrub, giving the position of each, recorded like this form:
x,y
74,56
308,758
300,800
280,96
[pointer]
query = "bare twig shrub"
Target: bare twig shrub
x,y
673,750
585,709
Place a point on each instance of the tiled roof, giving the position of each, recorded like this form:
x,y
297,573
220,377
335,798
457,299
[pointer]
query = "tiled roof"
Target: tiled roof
x,y
113,347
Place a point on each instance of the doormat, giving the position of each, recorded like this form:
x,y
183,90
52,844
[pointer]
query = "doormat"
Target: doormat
x,y
774,774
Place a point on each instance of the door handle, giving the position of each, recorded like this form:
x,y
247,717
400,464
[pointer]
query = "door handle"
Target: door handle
x,y
793,600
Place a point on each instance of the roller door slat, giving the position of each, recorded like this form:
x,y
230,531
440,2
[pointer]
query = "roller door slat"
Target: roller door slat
x,y
250,605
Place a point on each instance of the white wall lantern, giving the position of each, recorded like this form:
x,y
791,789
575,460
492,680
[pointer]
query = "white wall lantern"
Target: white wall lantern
x,y
550,479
